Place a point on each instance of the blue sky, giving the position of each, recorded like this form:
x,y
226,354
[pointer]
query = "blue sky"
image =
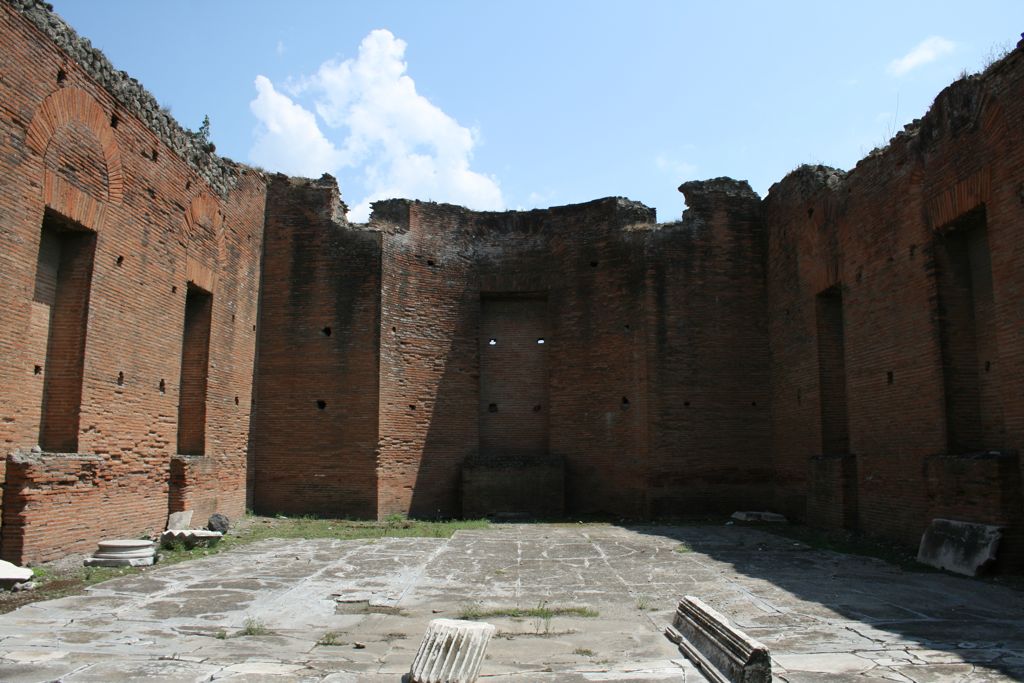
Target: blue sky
x,y
526,104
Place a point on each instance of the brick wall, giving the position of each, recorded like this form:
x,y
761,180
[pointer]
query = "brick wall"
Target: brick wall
x,y
847,351
708,355
71,150
922,240
315,426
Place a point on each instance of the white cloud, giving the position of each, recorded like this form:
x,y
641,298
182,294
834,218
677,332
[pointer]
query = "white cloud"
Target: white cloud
x,y
402,144
925,52
680,169
288,138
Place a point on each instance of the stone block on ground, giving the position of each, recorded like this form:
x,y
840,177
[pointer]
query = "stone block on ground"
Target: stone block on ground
x,y
753,516
180,520
123,553
218,522
11,574
720,650
962,547
191,538
452,651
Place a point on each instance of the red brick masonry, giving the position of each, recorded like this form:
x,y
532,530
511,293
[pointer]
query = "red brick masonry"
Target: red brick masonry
x,y
183,332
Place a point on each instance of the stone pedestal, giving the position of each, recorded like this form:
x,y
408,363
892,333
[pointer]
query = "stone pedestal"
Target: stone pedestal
x,y
451,652
123,553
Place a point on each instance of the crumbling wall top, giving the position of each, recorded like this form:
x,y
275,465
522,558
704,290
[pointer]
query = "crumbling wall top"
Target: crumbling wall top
x,y
220,173
624,212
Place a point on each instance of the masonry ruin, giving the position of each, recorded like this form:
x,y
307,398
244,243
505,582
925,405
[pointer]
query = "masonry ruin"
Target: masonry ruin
x,y
184,332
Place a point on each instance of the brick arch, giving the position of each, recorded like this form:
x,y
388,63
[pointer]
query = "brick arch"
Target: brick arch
x,y
993,120
62,107
203,213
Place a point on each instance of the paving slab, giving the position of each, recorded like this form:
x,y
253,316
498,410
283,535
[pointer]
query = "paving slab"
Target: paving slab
x,y
339,611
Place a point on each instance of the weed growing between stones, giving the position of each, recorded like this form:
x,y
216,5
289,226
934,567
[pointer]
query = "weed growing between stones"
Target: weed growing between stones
x,y
541,611
254,627
329,639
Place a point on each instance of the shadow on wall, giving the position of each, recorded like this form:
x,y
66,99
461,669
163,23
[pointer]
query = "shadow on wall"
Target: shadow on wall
x,y
452,433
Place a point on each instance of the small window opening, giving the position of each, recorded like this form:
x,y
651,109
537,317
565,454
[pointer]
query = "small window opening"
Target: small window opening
x,y
326,331
174,289
492,408
430,263
154,155
62,76
37,370
541,340
888,377
114,120
236,400
625,403
412,406
120,379
120,260
536,409
320,403
163,387
988,365
492,342
593,264
686,404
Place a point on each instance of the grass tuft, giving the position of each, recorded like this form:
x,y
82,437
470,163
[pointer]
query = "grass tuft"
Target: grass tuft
x,y
541,611
329,639
254,627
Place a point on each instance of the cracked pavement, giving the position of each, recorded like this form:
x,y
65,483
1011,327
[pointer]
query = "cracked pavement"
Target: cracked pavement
x,y
356,610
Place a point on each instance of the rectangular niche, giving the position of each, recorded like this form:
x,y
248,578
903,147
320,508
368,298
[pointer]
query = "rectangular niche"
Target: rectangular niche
x,y
195,363
513,409
60,316
835,429
967,324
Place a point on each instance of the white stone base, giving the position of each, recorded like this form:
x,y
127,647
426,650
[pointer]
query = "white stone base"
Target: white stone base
x,y
452,651
123,553
119,562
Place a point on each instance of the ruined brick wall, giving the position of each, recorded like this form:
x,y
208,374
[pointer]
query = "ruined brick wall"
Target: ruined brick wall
x,y
923,242
443,266
315,426
80,163
708,350
582,278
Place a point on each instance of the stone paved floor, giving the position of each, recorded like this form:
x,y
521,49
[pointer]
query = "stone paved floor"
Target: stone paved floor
x,y
825,616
